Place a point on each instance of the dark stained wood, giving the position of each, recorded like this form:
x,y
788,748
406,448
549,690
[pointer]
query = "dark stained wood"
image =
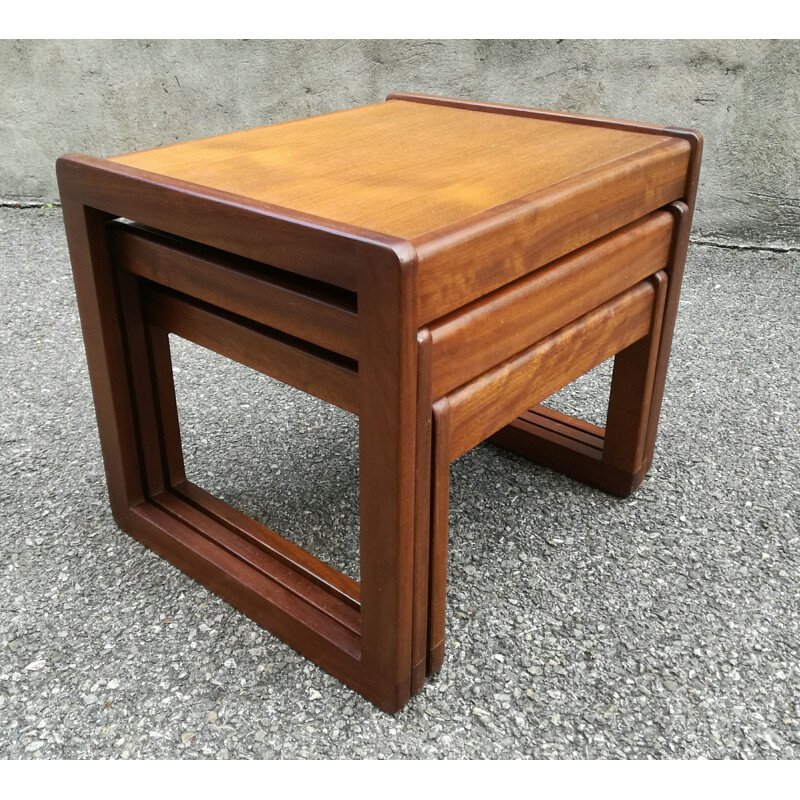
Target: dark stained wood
x,y
579,430
422,512
243,287
293,241
306,368
631,392
440,520
288,616
338,585
675,267
436,266
528,113
146,407
253,551
101,321
485,405
164,387
539,424
537,438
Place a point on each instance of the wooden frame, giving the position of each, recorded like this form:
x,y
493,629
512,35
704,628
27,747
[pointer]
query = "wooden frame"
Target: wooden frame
x,y
431,340
564,443
361,634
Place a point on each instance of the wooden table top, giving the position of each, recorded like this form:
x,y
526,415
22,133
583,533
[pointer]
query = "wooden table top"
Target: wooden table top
x,y
402,168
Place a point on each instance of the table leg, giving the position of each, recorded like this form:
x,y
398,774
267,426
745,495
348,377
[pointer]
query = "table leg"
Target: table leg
x,y
362,635
387,454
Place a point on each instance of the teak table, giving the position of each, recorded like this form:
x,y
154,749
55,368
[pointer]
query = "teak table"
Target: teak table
x,y
437,267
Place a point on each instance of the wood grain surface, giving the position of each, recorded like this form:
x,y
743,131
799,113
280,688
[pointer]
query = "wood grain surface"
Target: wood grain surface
x,y
486,332
398,168
435,266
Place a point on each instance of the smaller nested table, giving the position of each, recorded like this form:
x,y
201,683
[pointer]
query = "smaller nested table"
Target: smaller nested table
x,y
438,267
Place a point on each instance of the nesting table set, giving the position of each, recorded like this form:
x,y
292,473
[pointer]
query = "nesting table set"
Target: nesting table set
x,y
438,267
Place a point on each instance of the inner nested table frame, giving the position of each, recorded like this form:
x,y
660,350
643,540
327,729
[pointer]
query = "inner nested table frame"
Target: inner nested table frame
x,y
342,314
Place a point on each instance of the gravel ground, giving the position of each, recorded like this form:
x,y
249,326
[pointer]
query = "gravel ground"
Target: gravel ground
x,y
580,626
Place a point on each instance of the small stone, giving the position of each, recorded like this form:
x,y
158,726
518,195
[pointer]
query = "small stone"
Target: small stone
x,y
34,666
212,716
187,737
670,685
499,657
34,746
314,695
90,699
113,684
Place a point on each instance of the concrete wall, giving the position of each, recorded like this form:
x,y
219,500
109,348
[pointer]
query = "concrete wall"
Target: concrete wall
x,y
108,97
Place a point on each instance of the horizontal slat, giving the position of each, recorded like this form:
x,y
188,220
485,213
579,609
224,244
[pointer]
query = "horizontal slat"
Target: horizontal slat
x,y
491,401
494,328
305,367
254,553
288,616
470,260
318,571
309,310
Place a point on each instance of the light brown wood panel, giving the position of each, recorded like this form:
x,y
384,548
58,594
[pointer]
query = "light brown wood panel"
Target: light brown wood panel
x,y
489,250
288,616
694,138
475,338
398,168
244,287
491,401
229,336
